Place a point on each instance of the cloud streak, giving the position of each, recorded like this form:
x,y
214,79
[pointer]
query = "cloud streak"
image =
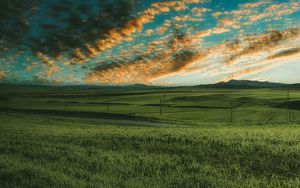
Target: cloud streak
x,y
176,57
285,53
133,41
2,75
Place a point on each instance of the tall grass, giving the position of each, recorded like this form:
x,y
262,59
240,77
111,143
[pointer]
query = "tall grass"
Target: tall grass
x,y
48,152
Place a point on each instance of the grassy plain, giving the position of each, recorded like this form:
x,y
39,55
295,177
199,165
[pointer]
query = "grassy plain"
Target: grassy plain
x,y
39,151
183,104
67,138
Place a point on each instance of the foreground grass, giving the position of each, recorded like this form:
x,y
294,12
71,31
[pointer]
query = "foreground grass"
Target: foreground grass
x,y
40,151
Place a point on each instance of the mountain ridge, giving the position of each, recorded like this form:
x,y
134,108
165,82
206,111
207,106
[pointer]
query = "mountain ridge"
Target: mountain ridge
x,y
252,83
228,84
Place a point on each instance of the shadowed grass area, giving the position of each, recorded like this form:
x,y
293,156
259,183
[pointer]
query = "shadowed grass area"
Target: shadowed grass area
x,y
40,151
79,114
289,105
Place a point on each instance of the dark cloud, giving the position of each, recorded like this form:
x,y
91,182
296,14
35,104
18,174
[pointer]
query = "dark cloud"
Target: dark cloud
x,y
61,25
285,53
14,21
179,54
146,66
262,42
2,75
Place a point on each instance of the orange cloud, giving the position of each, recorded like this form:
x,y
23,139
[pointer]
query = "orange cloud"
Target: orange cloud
x,y
254,5
203,34
45,59
2,75
220,30
176,58
78,54
259,16
268,63
252,13
275,11
247,71
229,23
181,19
32,66
176,5
264,42
116,37
285,53
164,4
51,66
199,11
143,71
161,30
209,32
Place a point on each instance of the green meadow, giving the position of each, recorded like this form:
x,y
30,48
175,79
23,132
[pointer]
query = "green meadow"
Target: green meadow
x,y
190,104
158,137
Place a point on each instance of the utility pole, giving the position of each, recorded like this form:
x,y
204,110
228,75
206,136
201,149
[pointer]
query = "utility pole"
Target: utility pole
x,y
287,104
231,110
66,102
107,105
18,90
160,106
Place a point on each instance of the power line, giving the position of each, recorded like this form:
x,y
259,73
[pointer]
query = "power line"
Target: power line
x,y
288,104
231,110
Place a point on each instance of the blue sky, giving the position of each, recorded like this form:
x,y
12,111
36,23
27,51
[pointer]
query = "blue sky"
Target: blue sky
x,y
118,42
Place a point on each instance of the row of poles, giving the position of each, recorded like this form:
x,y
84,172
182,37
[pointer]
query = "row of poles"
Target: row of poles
x,y
289,116
162,103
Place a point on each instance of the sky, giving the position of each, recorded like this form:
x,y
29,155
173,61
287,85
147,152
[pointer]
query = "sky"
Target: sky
x,y
155,42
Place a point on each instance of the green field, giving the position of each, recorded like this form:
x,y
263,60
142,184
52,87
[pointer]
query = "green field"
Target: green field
x,y
53,152
178,104
68,138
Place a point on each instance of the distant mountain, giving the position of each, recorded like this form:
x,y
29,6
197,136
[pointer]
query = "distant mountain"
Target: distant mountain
x,y
244,84
250,83
143,86
6,86
295,85
230,84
